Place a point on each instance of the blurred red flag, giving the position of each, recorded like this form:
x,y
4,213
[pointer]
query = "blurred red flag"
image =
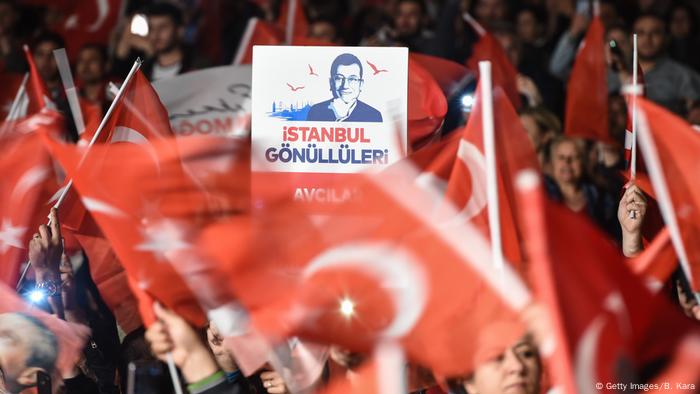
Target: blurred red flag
x,y
674,145
69,337
359,276
108,274
427,105
37,92
258,32
27,176
448,74
292,20
150,208
503,73
657,262
460,170
587,90
138,117
608,326
88,22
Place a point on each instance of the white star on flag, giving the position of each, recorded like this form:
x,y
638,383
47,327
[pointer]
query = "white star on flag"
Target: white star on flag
x,y
10,236
161,237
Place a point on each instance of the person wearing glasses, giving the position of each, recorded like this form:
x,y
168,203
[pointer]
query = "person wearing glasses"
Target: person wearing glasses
x,y
346,85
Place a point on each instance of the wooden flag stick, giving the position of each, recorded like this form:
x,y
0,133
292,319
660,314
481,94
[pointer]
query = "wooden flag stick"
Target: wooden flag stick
x,y
490,153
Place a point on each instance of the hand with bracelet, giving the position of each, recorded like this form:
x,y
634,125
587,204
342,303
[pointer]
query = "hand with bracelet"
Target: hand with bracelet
x,y
45,250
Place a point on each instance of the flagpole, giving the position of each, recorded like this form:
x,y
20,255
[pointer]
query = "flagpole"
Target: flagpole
x,y
291,14
16,103
635,92
490,153
391,368
173,372
18,97
103,123
243,46
69,87
663,196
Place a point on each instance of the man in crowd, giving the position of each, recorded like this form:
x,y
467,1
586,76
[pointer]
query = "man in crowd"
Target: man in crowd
x,y
165,52
42,51
27,347
667,82
11,58
91,73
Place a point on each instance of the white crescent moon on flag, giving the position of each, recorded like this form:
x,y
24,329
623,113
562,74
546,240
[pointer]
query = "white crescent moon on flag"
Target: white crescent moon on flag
x,y
29,179
102,13
585,358
475,162
126,134
397,271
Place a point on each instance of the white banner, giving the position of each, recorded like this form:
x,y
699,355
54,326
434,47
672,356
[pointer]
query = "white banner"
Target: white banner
x,y
328,109
212,101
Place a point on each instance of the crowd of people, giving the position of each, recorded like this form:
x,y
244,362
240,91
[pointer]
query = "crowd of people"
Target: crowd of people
x,y
540,38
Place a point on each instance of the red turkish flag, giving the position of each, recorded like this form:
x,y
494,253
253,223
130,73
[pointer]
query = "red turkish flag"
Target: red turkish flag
x,y
460,170
69,337
258,32
292,19
674,145
503,73
587,90
108,274
151,206
427,104
27,174
294,272
657,262
89,22
608,326
448,74
37,92
138,117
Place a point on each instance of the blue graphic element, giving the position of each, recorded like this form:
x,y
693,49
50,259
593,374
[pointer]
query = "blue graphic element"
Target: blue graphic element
x,y
293,111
